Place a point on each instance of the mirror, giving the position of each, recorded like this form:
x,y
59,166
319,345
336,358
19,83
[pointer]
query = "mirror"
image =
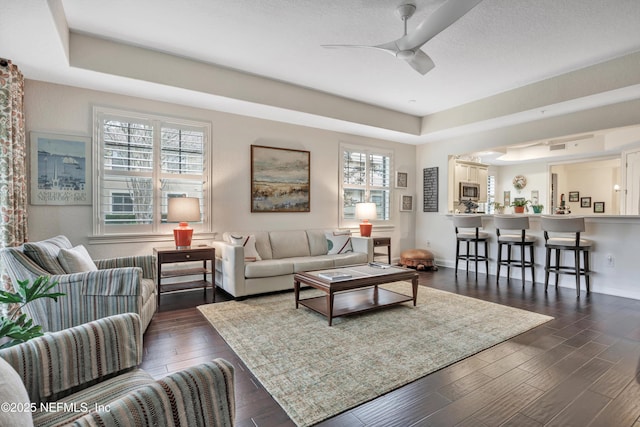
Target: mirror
x,y
585,168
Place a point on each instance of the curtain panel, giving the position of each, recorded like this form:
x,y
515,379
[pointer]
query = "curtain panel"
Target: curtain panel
x,y
13,158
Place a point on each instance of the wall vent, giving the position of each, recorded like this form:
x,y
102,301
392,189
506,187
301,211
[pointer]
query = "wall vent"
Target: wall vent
x,y
557,147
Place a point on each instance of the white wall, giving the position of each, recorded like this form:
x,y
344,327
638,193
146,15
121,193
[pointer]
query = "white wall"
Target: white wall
x,y
593,179
437,228
67,110
537,176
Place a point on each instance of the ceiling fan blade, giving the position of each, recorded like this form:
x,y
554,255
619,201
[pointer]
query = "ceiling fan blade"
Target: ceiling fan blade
x,y
439,20
421,62
387,47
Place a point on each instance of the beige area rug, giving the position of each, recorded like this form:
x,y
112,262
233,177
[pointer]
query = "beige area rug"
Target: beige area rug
x,y
315,371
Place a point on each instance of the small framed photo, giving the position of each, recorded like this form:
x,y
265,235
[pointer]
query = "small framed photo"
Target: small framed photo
x,y
402,179
506,197
574,196
585,202
406,203
598,207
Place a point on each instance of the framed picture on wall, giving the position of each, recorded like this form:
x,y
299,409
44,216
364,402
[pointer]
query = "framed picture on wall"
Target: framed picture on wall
x,y
574,196
535,197
280,180
585,202
598,207
406,203
402,179
60,169
507,198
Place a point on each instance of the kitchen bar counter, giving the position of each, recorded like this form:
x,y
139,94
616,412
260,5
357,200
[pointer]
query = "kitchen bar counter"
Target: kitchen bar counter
x,y
615,258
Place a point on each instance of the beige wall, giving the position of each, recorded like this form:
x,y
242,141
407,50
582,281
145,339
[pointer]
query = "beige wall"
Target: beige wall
x,y
67,110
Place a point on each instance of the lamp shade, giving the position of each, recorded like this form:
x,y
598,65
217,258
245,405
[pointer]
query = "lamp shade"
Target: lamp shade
x,y
183,209
365,212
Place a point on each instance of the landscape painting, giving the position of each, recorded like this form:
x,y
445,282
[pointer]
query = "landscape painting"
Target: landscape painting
x,y
60,170
280,180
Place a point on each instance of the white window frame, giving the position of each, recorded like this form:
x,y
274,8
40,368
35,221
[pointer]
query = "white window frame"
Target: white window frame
x,y
353,223
156,231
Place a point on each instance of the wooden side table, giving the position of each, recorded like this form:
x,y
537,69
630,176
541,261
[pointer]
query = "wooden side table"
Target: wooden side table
x,y
196,253
379,242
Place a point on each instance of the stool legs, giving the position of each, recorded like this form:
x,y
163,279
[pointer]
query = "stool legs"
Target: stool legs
x,y
475,257
577,270
522,263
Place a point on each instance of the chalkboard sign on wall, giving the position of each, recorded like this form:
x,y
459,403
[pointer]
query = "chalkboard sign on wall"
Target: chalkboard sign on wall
x,y
430,182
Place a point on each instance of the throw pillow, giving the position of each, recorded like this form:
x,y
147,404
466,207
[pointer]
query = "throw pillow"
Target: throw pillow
x,y
45,253
339,242
249,243
76,260
12,390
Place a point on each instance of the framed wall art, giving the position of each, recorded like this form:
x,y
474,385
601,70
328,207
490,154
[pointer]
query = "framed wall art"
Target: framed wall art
x,y
60,169
430,189
406,203
402,179
507,198
598,207
585,202
280,180
574,196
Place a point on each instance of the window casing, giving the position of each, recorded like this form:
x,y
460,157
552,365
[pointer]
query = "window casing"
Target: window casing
x,y
142,160
365,176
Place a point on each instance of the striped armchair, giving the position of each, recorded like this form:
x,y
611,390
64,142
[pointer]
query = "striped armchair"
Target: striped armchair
x,y
89,376
120,285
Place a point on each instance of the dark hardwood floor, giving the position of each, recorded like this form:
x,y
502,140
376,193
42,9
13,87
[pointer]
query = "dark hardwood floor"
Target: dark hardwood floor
x,y
580,369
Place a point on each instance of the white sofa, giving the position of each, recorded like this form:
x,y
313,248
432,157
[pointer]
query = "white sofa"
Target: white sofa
x,y
283,254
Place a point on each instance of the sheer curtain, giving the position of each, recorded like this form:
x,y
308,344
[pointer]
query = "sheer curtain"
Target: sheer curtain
x,y
13,157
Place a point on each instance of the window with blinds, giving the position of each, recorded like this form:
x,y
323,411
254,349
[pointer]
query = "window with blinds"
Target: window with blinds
x,y
142,162
491,194
365,177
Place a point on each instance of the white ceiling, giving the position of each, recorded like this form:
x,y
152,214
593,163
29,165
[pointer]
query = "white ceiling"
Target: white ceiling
x,y
500,45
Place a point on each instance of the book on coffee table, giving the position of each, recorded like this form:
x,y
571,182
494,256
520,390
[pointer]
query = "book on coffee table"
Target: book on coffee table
x,y
334,275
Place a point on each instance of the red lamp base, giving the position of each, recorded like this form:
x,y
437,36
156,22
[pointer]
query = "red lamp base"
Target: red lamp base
x,y
182,235
365,228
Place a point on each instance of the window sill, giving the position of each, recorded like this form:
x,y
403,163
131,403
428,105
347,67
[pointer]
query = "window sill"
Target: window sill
x,y
142,238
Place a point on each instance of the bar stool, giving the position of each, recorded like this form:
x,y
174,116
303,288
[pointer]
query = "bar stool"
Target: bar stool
x,y
570,240
476,236
521,239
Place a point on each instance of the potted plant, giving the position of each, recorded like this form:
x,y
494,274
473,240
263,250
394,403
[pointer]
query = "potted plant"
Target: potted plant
x,y
537,208
17,328
519,205
497,207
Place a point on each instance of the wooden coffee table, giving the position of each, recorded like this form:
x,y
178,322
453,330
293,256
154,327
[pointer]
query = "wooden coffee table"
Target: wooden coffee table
x,y
357,293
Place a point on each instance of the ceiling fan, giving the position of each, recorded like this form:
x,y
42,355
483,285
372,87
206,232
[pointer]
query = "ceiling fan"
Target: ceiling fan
x,y
408,46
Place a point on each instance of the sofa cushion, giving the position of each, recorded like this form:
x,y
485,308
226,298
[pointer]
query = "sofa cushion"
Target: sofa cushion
x,y
249,245
288,244
338,242
268,268
76,260
317,242
12,390
301,264
45,253
100,394
263,244
349,258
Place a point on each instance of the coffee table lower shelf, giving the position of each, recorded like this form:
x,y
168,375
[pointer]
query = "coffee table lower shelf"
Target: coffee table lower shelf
x,y
355,301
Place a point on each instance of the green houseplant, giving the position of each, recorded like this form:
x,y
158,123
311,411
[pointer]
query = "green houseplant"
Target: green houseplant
x,y
537,208
16,327
519,205
497,207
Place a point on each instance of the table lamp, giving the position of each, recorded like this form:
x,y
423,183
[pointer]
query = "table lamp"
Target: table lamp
x,y
182,210
365,212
